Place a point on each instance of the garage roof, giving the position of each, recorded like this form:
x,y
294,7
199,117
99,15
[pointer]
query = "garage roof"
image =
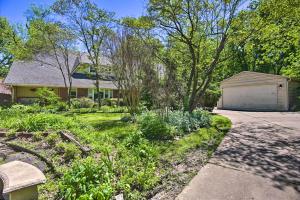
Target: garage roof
x,y
247,77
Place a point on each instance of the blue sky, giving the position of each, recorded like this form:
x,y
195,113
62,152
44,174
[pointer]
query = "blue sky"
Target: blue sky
x,y
15,10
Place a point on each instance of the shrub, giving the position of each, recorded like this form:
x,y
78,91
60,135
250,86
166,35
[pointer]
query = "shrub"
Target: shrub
x,y
188,122
109,102
61,106
221,123
153,127
113,102
47,96
202,117
69,150
113,109
180,120
52,139
83,102
87,179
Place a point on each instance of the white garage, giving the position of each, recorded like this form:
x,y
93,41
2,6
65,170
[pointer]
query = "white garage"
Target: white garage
x,y
255,91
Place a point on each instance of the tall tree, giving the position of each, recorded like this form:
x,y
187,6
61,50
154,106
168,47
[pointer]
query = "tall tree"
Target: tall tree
x,y
91,26
10,42
53,45
131,64
274,45
200,30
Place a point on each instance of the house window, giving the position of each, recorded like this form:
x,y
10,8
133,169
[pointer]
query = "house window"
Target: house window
x,y
73,93
103,94
92,70
91,93
108,94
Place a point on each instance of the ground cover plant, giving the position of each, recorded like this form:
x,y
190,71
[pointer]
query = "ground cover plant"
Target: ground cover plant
x,y
130,157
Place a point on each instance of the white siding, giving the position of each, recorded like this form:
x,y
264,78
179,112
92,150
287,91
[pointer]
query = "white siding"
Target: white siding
x,y
255,91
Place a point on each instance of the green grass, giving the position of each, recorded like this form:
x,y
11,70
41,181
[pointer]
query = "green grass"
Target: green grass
x,y
208,138
94,118
107,130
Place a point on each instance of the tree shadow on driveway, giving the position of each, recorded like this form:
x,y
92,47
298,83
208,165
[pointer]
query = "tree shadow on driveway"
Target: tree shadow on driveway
x,y
267,150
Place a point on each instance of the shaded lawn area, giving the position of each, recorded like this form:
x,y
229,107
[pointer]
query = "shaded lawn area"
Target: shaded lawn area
x,y
107,129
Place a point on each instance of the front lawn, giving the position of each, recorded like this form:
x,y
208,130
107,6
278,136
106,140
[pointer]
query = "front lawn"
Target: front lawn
x,y
121,159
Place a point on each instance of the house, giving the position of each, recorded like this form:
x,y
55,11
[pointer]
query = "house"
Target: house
x,y
258,92
25,77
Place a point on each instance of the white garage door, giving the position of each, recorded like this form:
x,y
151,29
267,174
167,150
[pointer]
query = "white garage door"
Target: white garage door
x,y
262,97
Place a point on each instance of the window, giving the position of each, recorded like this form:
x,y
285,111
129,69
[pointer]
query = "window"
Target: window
x,y
91,93
92,70
103,94
73,93
108,94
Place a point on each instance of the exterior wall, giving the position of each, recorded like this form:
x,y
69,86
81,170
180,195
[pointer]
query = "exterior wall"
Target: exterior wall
x,y
63,93
82,92
259,79
294,93
116,94
30,92
25,94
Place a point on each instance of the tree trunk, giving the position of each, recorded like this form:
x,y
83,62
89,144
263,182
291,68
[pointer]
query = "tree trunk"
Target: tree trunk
x,y
98,90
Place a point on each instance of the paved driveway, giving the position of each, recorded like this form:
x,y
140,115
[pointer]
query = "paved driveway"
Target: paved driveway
x,y
259,159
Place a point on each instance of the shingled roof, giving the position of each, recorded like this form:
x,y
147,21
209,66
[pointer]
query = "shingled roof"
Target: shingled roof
x,y
45,73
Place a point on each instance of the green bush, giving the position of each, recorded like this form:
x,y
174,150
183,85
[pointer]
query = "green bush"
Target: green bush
x,y
153,127
88,179
180,120
221,123
83,102
113,109
202,118
47,97
113,102
61,106
69,150
187,122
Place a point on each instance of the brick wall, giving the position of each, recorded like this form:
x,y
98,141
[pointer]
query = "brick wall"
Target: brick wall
x,y
63,93
82,92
